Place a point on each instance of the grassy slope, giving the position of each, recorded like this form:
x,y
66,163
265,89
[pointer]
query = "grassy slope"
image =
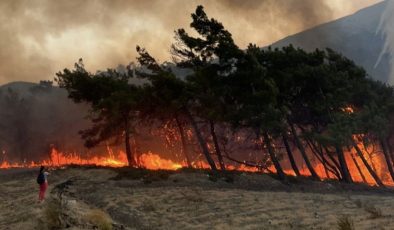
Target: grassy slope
x,y
82,198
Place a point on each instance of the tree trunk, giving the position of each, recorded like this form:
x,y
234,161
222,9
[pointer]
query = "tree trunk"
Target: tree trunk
x,y
275,161
202,143
217,147
290,155
129,154
343,166
334,165
318,152
331,157
185,149
366,164
303,153
387,157
359,169
334,169
390,150
136,151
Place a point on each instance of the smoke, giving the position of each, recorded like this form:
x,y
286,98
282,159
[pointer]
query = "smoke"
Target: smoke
x,y
282,15
386,27
41,37
34,118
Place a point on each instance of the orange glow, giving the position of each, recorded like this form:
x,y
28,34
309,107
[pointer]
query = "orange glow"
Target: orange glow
x,y
376,161
147,160
154,161
348,109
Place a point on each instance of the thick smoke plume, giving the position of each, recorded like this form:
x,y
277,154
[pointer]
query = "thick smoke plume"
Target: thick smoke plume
x,y
40,37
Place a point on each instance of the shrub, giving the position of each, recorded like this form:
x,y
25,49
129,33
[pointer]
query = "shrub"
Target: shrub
x,y
99,219
373,211
52,214
345,223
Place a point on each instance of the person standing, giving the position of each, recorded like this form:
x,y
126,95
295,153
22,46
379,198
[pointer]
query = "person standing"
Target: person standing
x,y
42,180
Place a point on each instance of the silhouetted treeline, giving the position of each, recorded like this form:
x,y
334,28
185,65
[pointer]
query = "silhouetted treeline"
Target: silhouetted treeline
x,y
34,118
286,103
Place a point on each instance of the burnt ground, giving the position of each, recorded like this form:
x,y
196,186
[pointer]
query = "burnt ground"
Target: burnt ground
x,y
107,198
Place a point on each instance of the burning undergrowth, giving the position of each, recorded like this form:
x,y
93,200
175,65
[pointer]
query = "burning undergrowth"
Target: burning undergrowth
x,y
165,167
284,111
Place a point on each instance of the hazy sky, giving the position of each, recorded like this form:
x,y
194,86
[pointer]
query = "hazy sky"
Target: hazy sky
x,y
41,37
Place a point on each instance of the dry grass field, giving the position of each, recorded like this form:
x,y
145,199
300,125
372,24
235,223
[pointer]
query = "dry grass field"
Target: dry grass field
x,y
99,198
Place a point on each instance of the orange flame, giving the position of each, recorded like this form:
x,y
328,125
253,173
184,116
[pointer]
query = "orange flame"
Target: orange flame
x,y
153,161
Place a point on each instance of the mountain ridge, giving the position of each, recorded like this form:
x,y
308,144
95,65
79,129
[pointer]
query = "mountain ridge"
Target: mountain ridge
x,y
356,36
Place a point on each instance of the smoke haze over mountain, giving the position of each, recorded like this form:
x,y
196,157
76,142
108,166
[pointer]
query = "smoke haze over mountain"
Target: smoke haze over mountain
x,y
356,36
386,27
41,37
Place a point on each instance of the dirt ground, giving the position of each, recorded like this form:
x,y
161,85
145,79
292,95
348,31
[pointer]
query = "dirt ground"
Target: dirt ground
x,y
98,198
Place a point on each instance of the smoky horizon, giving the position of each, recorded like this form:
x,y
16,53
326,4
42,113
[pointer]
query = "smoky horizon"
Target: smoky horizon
x,y
40,38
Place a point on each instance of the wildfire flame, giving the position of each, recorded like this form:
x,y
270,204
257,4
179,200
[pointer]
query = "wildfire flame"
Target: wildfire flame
x,y
148,160
153,161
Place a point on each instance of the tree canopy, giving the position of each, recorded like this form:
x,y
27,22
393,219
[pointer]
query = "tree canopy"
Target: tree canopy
x,y
318,104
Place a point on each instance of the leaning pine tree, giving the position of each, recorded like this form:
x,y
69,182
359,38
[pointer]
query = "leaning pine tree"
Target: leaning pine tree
x,y
113,101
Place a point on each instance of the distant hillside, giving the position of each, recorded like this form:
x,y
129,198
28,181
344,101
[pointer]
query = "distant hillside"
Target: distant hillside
x,y
36,117
354,36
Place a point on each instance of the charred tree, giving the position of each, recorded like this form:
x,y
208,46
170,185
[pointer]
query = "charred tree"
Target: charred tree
x,y
366,164
274,159
201,142
303,153
330,154
136,150
387,158
185,149
130,158
390,150
359,169
346,177
318,152
216,144
290,155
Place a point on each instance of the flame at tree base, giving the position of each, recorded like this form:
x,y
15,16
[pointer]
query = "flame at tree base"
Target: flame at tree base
x,y
147,160
153,161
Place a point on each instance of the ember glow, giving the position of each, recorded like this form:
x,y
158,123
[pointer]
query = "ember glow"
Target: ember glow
x,y
359,172
154,161
147,160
